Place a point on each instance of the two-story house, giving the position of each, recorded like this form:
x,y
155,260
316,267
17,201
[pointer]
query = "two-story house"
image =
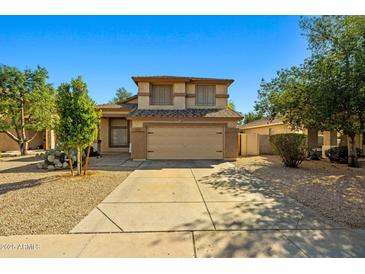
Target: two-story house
x,y
172,118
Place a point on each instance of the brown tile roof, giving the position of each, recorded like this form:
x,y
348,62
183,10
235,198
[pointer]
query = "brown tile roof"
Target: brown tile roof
x,y
124,104
261,123
117,106
109,106
131,98
185,113
137,79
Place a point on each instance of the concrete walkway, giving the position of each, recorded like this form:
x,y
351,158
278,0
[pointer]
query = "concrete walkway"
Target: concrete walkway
x,y
195,209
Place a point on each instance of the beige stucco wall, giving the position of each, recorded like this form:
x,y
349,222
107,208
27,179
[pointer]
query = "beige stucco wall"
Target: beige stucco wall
x,y
179,100
143,95
190,88
265,145
221,89
262,138
221,102
249,144
143,87
275,129
8,144
253,144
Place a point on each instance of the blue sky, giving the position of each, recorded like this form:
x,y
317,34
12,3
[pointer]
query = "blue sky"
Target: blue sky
x,y
108,50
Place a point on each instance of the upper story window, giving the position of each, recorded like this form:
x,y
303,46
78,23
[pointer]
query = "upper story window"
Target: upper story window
x,y
161,95
205,95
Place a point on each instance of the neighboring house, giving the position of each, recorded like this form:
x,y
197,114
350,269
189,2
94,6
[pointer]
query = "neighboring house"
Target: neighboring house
x,y
172,118
258,133
8,144
267,127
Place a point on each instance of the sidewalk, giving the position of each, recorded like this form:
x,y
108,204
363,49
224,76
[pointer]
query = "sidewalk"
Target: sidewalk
x,y
272,243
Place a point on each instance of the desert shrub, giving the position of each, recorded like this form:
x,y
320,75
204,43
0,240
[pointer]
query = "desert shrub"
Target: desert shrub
x,y
315,154
340,154
291,147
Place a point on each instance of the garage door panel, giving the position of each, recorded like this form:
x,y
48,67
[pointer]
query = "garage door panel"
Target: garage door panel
x,y
159,147
190,141
182,149
166,154
185,143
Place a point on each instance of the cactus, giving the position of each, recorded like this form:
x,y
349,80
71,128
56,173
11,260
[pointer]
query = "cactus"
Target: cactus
x,y
55,159
51,158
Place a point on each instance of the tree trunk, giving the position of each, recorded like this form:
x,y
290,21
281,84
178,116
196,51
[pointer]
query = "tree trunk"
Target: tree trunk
x,y
79,161
363,144
70,163
87,160
352,155
23,147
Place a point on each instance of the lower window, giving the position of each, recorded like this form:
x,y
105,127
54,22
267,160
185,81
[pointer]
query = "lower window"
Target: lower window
x,y
118,132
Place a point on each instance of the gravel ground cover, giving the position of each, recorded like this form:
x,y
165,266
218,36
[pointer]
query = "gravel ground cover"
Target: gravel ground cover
x,y
334,190
34,201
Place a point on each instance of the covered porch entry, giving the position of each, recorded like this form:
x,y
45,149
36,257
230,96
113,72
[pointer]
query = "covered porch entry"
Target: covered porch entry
x,y
114,129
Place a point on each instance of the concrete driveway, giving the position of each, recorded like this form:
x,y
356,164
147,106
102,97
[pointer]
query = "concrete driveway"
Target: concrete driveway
x,y
221,210
195,209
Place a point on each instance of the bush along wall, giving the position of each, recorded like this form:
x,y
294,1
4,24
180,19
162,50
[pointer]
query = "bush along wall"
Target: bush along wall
x,y
340,154
291,147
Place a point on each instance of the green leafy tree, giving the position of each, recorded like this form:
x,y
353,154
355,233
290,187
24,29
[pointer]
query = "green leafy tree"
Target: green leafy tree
x,y
231,105
338,56
120,96
252,116
327,91
26,104
78,119
289,96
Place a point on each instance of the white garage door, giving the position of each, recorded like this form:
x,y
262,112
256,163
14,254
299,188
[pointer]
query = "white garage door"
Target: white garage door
x,y
183,142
